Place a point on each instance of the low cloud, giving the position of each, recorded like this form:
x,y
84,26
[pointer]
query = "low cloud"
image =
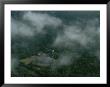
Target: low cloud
x,y
20,29
73,34
75,39
32,23
64,60
40,20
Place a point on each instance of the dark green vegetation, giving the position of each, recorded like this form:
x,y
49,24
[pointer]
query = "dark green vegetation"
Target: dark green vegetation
x,y
71,39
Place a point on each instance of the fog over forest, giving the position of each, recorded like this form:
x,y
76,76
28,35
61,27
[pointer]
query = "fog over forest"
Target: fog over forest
x,y
55,43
